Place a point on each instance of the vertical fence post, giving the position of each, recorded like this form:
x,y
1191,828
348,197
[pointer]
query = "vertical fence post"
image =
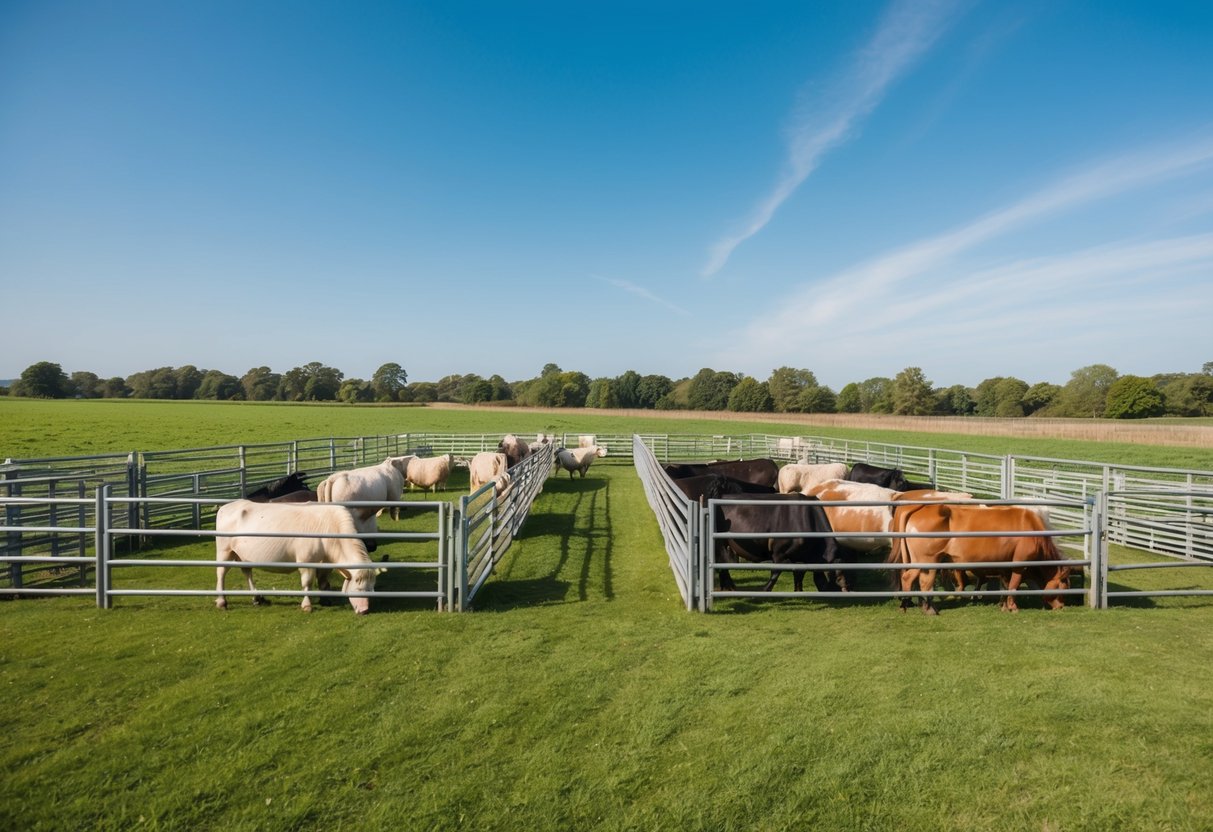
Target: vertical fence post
x,y
81,520
12,519
102,547
1097,590
708,558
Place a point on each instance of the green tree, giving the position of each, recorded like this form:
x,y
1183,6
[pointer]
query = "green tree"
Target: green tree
x,y
260,384
850,399
43,380
817,398
85,384
1040,397
627,389
786,384
651,389
186,381
423,392
1086,393
475,390
114,388
501,391
750,395
912,394
956,400
574,388
388,381
220,386
876,395
602,394
160,383
355,390
322,383
1133,397
709,389
1008,397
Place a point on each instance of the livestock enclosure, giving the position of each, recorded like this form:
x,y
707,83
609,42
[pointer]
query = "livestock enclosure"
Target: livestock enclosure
x,y
51,522
581,696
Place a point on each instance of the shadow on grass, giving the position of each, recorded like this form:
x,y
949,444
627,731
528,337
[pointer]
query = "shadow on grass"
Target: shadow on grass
x,y
574,526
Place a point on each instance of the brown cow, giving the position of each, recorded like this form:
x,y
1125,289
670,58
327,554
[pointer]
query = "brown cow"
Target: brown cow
x,y
1031,551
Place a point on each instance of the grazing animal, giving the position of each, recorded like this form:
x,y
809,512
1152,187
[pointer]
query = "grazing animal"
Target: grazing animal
x,y
796,477
756,471
485,467
779,513
242,517
1032,553
374,483
430,472
892,478
292,482
877,519
578,459
514,448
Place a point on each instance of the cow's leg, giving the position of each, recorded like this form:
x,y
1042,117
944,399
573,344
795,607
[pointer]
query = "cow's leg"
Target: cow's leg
x,y
926,583
220,579
907,577
306,576
1012,586
258,600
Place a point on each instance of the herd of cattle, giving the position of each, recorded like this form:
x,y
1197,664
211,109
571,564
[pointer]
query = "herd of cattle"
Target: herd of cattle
x,y
843,511
856,510
249,524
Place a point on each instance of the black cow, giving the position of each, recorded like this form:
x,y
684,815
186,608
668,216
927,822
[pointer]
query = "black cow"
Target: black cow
x,y
756,471
295,481
711,486
892,478
783,513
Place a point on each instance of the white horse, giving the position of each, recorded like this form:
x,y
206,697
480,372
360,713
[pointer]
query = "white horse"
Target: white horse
x,y
241,517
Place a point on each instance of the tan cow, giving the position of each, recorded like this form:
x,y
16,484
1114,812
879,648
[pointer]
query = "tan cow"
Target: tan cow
x,y
579,459
378,483
429,472
485,467
796,477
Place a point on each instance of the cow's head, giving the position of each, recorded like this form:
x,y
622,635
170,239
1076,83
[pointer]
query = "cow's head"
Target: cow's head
x,y
360,580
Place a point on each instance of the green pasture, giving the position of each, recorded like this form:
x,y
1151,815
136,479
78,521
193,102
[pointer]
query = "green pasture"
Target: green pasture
x,y
581,694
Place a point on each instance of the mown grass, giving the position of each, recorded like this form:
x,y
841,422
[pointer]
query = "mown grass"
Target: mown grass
x,y
581,695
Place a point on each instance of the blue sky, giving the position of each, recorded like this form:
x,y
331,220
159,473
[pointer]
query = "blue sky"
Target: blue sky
x,y
974,188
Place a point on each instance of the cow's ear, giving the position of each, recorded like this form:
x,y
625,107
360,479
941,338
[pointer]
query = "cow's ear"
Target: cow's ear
x,y
345,573
380,570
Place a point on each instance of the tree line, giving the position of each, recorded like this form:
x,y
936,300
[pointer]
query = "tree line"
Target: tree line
x,y
1094,391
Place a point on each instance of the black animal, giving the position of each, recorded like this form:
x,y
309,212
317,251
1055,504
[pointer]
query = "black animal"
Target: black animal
x,y
294,481
756,471
711,486
892,478
780,513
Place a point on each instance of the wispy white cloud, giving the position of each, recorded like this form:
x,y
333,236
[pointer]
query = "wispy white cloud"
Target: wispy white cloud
x,y
825,120
924,287
642,292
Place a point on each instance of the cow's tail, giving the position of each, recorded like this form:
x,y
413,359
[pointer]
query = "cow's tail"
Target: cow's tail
x,y
324,491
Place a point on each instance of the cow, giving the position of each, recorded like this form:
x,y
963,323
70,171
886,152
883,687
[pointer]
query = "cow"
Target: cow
x,y
429,472
374,483
578,459
241,518
877,519
514,448
892,478
799,477
485,467
1032,552
711,486
757,471
292,482
778,513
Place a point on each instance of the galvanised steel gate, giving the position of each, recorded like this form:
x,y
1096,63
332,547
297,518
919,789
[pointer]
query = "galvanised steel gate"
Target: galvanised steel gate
x,y
1175,522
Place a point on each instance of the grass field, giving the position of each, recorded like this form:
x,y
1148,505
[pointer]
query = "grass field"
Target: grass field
x,y
580,694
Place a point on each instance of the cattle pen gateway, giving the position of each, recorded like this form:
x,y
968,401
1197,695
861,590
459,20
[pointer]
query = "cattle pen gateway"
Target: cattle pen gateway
x,y
71,522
